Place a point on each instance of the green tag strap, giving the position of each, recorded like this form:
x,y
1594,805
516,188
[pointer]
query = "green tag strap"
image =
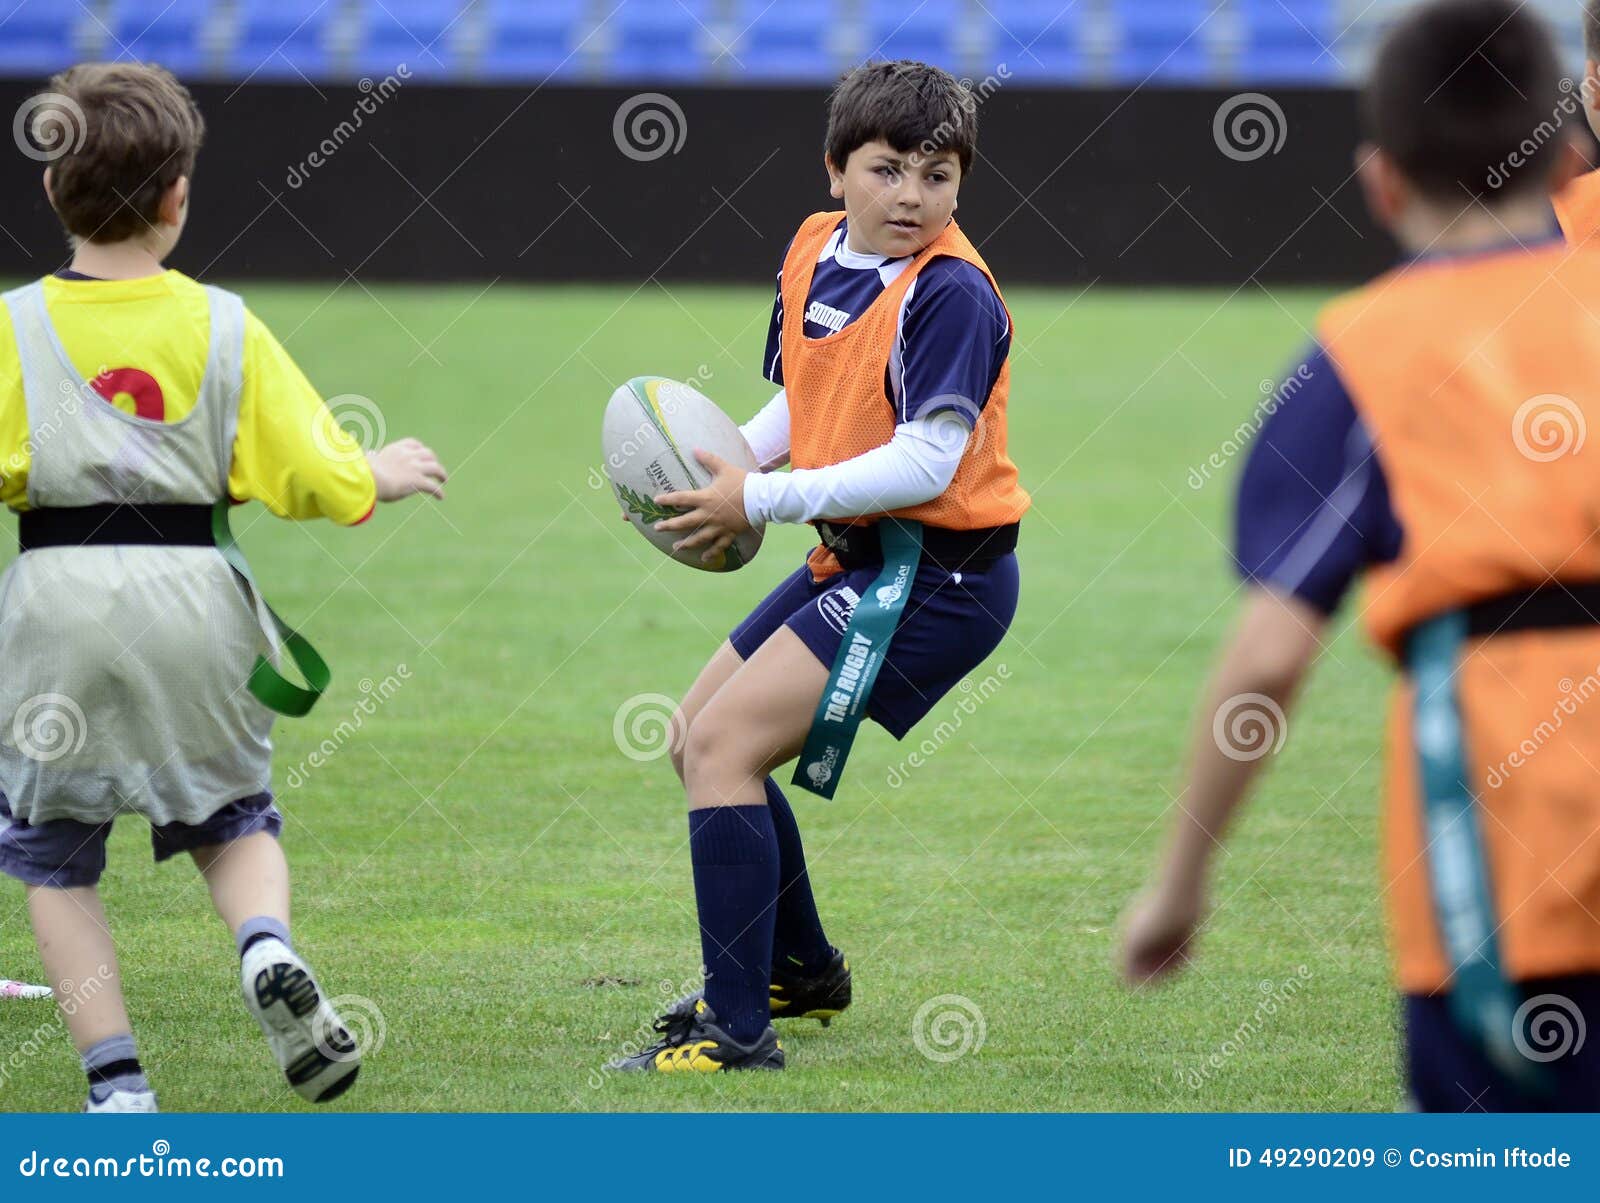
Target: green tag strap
x,y
861,655
270,687
1483,1002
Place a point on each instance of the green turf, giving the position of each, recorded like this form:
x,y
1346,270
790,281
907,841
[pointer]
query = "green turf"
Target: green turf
x,y
510,892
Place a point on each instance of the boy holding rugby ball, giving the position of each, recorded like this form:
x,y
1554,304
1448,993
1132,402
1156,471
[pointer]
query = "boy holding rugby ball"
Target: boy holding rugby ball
x,y
890,342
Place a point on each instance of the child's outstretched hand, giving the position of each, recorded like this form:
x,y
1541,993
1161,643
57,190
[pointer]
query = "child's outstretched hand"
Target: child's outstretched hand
x,y
1157,932
407,466
716,513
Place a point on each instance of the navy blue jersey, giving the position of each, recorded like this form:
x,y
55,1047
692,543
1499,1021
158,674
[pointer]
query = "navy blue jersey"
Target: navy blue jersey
x,y
1313,507
953,332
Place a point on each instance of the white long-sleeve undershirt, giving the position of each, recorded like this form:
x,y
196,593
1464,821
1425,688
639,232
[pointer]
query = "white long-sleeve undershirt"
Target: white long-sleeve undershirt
x,y
915,465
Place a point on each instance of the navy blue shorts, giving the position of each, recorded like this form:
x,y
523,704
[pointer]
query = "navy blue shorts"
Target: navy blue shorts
x,y
951,623
66,854
1561,1031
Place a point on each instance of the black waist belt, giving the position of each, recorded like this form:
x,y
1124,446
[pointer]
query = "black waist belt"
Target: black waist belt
x,y
952,550
92,525
1545,608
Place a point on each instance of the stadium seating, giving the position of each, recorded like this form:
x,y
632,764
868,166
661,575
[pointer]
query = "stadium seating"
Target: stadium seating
x,y
281,39
1062,42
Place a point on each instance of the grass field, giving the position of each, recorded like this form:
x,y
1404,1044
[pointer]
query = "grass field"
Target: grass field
x,y
507,891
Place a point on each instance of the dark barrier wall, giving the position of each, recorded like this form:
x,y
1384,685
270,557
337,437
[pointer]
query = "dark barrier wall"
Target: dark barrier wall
x,y
405,181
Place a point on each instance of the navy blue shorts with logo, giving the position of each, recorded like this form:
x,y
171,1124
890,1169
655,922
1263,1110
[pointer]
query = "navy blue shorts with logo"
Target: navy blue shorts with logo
x,y
952,621
1560,1018
66,854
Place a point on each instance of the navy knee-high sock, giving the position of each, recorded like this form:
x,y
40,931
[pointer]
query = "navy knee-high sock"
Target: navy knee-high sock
x,y
797,937
735,854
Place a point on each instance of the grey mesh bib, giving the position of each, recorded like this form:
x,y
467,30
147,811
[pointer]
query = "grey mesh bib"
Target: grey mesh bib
x,y
124,690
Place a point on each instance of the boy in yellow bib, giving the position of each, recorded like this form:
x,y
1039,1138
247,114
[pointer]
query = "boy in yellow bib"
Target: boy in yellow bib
x,y
134,403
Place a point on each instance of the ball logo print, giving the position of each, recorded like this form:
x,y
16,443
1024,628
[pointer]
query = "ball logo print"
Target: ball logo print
x,y
1548,1027
48,126
648,126
49,726
359,417
647,726
947,1027
1547,427
1249,126
1249,725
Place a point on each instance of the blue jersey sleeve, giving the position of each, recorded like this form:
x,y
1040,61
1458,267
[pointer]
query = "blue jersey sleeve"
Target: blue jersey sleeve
x,y
772,361
1313,506
954,337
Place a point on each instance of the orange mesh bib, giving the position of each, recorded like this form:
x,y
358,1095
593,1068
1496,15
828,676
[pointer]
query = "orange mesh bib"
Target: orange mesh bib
x,y
837,405
1475,379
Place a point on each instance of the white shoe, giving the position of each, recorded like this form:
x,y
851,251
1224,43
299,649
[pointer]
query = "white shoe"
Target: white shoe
x,y
11,989
309,1040
123,1101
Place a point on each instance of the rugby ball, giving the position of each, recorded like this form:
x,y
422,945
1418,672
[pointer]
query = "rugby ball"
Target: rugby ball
x,y
651,430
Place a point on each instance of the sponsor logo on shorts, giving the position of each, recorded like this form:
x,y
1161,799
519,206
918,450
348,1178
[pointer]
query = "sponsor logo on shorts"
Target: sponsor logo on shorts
x,y
838,605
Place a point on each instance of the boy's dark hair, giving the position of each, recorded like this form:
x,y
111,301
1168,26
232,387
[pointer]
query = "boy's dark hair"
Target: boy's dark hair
x,y
1465,92
130,130
1591,29
912,106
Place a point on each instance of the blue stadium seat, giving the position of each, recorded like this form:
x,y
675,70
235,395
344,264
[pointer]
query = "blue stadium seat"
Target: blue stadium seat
x,y
896,30
661,39
282,39
784,41
537,42
1038,40
419,33
160,32
36,39
1280,45
1163,41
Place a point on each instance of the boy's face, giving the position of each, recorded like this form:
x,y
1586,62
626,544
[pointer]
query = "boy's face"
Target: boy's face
x,y
896,201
